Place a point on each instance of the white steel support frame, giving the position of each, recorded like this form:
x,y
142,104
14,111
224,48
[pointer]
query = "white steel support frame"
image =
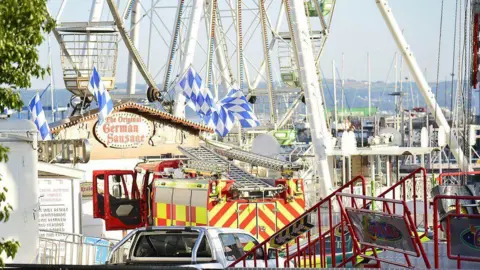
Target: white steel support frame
x,y
427,93
290,111
271,46
239,29
223,69
52,80
225,74
96,10
221,51
189,52
135,36
309,83
266,52
95,16
173,44
129,44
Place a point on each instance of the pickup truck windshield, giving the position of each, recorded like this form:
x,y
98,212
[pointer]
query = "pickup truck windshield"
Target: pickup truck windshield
x,y
170,245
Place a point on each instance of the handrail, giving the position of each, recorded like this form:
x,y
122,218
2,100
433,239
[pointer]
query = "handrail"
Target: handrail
x,y
440,177
408,221
404,179
412,176
76,235
436,225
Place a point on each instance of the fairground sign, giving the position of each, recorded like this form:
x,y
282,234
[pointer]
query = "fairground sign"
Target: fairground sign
x,y
465,237
124,130
381,230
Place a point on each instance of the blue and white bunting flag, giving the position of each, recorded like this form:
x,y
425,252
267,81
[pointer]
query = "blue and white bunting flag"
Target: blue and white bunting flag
x,y
105,103
222,120
190,84
219,115
205,104
237,103
233,106
38,117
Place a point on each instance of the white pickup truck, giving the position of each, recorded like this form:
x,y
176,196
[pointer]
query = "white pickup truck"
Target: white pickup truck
x,y
192,247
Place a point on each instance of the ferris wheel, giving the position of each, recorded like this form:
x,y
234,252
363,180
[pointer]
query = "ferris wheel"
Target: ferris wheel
x,y
249,44
270,49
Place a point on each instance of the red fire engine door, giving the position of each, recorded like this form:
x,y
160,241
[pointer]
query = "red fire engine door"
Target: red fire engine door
x,y
117,199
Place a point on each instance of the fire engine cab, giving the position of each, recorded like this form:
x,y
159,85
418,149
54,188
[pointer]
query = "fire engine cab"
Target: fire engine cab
x,y
201,188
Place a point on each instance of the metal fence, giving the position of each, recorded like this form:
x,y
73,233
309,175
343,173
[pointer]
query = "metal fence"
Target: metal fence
x,y
68,249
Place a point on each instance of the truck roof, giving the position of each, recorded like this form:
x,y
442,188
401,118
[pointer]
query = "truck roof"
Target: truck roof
x,y
203,229
193,228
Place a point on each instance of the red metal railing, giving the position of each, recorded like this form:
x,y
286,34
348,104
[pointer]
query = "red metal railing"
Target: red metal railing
x,y
442,175
437,225
401,190
312,252
362,245
307,254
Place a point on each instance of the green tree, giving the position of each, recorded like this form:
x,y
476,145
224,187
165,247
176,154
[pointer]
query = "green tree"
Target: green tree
x,y
23,26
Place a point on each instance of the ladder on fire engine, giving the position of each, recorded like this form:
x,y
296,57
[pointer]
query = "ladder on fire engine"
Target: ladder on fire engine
x,y
243,180
258,160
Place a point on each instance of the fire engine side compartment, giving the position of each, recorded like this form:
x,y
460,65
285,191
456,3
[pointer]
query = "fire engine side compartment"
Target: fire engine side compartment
x,y
180,202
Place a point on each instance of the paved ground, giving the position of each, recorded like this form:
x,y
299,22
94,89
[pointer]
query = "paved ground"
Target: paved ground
x,y
445,263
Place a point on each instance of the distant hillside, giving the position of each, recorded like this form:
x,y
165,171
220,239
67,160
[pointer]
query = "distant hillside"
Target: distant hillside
x,y
356,94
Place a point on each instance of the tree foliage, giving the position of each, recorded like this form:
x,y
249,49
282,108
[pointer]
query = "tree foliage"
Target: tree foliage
x,y
23,25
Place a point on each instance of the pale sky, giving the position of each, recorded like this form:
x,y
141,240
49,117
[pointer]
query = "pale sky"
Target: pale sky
x,y
357,28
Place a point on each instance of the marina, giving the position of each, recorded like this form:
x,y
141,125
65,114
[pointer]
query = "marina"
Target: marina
x,y
222,144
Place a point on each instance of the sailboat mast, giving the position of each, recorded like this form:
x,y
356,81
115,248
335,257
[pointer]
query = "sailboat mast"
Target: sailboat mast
x,y
395,90
343,89
52,81
335,115
369,87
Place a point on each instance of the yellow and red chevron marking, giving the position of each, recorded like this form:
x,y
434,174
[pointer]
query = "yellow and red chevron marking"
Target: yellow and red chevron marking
x,y
247,217
288,211
266,213
292,186
223,215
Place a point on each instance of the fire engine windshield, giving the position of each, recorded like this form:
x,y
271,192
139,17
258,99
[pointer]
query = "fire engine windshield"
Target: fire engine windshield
x,y
170,245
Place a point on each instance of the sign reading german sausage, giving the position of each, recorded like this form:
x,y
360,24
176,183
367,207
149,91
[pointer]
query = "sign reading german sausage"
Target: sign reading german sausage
x,y
124,130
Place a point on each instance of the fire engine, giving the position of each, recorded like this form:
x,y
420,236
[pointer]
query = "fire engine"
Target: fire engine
x,y
203,187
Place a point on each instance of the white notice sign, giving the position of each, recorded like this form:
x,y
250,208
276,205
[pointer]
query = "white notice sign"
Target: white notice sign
x,y
56,209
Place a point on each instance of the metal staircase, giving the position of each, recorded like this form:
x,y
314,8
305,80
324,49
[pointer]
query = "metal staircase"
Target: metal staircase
x,y
303,242
244,181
